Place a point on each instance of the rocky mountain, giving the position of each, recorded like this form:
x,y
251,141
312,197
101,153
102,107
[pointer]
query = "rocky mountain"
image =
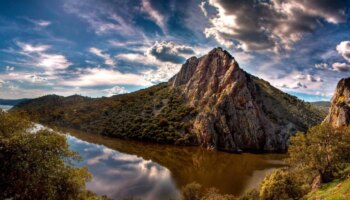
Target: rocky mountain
x,y
339,113
211,102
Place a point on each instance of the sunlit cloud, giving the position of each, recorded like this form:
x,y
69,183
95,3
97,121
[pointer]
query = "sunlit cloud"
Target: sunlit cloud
x,y
99,76
107,58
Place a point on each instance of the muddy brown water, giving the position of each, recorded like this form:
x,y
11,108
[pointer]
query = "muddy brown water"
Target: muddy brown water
x,y
123,168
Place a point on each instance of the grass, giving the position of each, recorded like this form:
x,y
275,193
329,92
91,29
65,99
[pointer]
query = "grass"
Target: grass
x,y
336,190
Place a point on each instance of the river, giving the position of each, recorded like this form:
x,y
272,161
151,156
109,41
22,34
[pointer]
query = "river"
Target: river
x,y
149,171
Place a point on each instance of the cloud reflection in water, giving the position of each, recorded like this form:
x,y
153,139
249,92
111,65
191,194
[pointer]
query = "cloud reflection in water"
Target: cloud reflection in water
x,y
120,175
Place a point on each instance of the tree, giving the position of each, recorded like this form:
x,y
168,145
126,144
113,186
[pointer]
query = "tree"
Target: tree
x,y
37,165
322,150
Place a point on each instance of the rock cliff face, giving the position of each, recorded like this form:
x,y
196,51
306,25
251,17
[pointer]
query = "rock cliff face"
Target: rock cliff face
x,y
237,111
339,113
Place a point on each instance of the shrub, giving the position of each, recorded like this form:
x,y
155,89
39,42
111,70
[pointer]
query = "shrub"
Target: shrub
x,y
191,191
281,184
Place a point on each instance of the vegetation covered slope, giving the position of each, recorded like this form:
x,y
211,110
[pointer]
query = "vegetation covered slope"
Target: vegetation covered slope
x,y
322,105
156,114
282,106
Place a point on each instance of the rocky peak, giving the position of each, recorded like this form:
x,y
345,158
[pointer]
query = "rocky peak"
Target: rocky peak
x,y
234,112
339,113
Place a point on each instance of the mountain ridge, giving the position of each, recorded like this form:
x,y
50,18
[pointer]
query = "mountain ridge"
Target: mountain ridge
x,y
211,102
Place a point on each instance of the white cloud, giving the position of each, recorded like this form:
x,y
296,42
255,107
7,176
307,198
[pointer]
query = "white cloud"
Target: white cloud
x,y
162,74
159,19
103,18
322,66
106,57
202,7
42,23
308,77
99,76
37,79
164,71
344,50
116,90
342,67
53,61
295,85
40,58
9,68
31,48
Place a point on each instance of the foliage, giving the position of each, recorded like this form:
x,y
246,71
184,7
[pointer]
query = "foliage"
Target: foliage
x,y
156,114
250,195
37,165
194,191
281,184
322,150
191,191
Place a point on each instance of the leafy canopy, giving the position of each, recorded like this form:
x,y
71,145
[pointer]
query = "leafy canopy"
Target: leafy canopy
x,y
37,165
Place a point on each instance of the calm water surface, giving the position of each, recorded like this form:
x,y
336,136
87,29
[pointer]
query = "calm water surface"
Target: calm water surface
x,y
5,107
123,168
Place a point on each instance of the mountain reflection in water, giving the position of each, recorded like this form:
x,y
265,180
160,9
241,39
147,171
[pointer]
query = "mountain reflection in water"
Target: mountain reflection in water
x,y
149,171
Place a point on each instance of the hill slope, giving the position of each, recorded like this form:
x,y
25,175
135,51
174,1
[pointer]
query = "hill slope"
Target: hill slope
x,y
322,105
211,102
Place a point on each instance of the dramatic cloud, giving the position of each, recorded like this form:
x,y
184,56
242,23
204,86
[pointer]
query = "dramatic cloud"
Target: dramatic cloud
x,y
116,90
106,57
342,67
270,25
99,76
170,52
344,50
322,66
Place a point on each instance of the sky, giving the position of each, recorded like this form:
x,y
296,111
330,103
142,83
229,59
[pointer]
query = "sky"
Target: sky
x,y
106,47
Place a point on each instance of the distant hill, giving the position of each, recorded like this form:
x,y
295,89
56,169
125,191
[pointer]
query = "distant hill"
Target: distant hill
x,y
11,102
322,105
211,102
